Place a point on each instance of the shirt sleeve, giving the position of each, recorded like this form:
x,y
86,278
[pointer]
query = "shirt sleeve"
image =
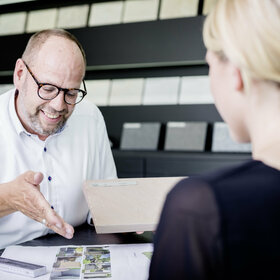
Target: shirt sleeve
x,y
187,244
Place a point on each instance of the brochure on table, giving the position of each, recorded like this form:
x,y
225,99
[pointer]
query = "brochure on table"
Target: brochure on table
x,y
127,261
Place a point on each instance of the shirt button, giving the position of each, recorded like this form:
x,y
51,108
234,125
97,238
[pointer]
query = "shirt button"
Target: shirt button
x,y
49,178
45,149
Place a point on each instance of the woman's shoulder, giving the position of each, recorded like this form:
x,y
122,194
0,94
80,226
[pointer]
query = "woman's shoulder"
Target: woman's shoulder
x,y
247,173
195,191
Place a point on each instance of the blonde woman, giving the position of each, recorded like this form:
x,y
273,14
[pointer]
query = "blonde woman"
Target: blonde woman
x,y
226,225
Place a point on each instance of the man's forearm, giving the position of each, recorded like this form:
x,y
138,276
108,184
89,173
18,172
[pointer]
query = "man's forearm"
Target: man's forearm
x,y
5,208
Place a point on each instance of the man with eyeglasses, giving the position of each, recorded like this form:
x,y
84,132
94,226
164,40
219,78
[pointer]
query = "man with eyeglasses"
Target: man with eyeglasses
x,y
49,145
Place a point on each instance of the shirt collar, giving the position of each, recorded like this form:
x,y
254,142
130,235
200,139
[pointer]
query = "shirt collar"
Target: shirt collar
x,y
14,117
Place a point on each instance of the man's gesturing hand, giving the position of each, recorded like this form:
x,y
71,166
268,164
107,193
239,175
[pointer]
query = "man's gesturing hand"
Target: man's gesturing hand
x,y
23,194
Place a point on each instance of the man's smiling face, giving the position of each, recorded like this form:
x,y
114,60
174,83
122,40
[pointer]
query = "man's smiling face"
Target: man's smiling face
x,y
58,62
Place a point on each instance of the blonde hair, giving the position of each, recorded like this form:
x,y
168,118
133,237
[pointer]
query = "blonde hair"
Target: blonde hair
x,y
247,32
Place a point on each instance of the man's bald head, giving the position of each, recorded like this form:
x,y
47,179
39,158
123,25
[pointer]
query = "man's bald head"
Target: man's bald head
x,y
38,39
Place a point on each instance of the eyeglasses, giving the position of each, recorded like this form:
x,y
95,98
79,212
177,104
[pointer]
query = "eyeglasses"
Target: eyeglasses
x,y
48,91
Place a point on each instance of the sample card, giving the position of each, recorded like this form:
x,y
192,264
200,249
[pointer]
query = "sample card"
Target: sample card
x,y
98,91
161,90
127,205
148,255
208,5
106,13
68,263
41,19
178,8
139,10
195,90
73,16
126,92
222,141
5,87
12,23
140,136
97,262
185,136
82,262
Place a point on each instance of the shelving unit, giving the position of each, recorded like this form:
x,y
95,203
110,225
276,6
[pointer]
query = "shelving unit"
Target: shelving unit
x,y
162,163
115,116
169,43
165,163
160,48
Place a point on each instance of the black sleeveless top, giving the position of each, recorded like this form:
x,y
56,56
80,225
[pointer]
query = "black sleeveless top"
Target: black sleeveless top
x,y
224,225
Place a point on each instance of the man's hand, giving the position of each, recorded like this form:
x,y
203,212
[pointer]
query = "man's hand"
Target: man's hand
x,y
23,194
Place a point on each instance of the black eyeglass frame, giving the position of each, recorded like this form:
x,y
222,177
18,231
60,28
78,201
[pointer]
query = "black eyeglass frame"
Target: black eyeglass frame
x,y
59,89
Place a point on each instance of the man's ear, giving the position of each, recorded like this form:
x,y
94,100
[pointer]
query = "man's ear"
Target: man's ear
x,y
237,79
18,73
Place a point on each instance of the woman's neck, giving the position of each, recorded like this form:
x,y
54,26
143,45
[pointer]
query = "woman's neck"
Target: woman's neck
x,y
265,125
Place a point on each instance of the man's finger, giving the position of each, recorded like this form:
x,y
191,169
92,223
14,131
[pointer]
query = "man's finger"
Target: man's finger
x,y
57,224
66,231
38,178
34,178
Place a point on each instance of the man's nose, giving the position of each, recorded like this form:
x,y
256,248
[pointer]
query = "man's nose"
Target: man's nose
x,y
58,102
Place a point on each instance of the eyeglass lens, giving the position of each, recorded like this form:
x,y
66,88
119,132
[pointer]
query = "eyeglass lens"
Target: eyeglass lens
x,y
49,92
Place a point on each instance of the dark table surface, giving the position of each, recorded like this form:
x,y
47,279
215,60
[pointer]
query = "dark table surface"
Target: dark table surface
x,y
86,235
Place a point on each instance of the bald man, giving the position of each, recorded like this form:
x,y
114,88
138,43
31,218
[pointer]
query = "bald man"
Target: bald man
x,y
50,141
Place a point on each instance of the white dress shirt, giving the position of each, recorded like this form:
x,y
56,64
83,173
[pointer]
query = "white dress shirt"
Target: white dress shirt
x,y
79,152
